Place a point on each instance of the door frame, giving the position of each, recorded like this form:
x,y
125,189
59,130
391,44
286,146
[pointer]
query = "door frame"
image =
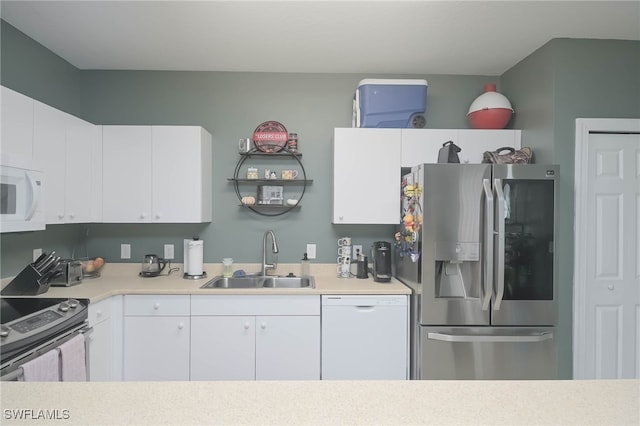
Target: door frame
x,y
584,127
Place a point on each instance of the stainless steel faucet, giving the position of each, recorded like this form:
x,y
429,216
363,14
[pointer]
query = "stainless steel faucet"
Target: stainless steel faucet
x,y
274,248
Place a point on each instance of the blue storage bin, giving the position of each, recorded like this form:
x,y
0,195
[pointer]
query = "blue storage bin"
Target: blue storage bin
x,y
390,103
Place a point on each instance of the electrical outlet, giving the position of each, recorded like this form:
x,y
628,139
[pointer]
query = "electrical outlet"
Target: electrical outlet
x,y
168,251
125,251
36,253
311,251
356,251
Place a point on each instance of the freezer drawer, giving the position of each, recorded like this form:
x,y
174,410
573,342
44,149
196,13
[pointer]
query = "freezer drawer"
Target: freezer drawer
x,y
487,353
365,338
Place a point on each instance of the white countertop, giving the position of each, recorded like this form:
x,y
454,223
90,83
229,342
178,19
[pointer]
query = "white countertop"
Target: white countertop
x,y
604,402
123,278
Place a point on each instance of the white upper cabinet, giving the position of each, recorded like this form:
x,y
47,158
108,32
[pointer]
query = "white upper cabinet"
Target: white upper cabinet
x,y
181,174
17,124
126,174
366,175
68,151
156,174
367,165
422,145
475,142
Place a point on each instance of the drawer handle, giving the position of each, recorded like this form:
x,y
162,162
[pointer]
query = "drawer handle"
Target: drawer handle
x,y
263,325
156,306
180,326
246,325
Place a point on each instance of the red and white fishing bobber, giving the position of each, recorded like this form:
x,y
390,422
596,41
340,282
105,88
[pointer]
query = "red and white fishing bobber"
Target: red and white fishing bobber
x,y
491,110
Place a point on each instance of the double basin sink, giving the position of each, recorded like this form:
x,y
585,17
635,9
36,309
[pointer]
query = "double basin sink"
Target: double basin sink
x,y
258,281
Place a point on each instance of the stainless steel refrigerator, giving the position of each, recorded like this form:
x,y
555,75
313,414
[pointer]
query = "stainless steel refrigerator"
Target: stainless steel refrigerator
x,y
477,245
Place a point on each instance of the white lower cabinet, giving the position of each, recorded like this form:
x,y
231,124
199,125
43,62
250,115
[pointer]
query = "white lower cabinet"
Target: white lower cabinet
x,y
365,337
105,340
156,337
255,337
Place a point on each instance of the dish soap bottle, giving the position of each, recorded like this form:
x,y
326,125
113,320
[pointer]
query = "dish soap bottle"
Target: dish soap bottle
x,y
305,266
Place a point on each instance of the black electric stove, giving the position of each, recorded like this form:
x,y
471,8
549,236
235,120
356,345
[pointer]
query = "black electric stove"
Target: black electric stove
x,y
29,322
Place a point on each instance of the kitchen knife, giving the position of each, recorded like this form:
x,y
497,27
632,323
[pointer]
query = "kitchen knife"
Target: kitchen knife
x,y
41,257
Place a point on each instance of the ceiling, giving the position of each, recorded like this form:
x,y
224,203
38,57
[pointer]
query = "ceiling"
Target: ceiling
x,y
375,37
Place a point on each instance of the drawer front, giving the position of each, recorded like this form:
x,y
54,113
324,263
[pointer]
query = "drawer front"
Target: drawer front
x,y
255,305
100,311
156,305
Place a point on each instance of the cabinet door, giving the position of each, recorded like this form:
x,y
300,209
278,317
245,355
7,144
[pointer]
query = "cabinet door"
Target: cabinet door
x,y
100,352
288,348
475,142
81,188
421,146
181,174
49,147
126,186
223,348
366,176
17,123
156,348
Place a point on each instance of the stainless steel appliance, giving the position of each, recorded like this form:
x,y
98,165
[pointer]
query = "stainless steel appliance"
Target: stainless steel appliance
x,y
477,247
70,273
152,265
32,326
381,255
21,195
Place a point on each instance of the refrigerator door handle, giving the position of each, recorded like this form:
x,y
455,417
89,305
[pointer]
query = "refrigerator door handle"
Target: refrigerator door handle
x,y
499,270
462,338
487,285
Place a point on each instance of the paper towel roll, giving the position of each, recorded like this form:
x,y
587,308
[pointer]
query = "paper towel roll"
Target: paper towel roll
x,y
195,257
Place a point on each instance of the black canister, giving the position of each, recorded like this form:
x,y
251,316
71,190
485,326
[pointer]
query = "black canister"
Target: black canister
x,y
363,267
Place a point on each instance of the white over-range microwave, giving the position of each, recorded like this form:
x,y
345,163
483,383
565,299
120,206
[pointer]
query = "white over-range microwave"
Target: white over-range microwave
x,y
21,195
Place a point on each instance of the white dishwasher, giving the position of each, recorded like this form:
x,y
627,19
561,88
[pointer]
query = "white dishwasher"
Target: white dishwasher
x,y
365,337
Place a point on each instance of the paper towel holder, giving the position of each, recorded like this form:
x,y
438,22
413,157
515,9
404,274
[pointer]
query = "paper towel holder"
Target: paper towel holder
x,y
194,259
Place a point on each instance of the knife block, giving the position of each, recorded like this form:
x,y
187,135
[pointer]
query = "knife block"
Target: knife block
x,y
29,282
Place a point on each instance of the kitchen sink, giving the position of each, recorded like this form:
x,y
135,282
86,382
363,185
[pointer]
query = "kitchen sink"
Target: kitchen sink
x,y
261,282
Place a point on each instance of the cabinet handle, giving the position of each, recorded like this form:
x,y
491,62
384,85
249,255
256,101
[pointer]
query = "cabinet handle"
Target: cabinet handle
x,y
246,325
156,306
143,216
180,326
610,287
98,313
158,215
72,215
263,325
60,215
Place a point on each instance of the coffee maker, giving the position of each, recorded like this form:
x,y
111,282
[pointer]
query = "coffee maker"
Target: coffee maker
x,y
381,255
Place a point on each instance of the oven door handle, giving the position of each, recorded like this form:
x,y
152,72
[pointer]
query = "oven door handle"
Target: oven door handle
x,y
16,372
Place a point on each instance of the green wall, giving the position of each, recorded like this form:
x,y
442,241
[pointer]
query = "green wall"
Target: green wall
x,y
564,80
230,106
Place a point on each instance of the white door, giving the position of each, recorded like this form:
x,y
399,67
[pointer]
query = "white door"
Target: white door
x,y
366,176
80,186
126,186
607,278
223,347
156,348
176,170
288,347
49,151
17,123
